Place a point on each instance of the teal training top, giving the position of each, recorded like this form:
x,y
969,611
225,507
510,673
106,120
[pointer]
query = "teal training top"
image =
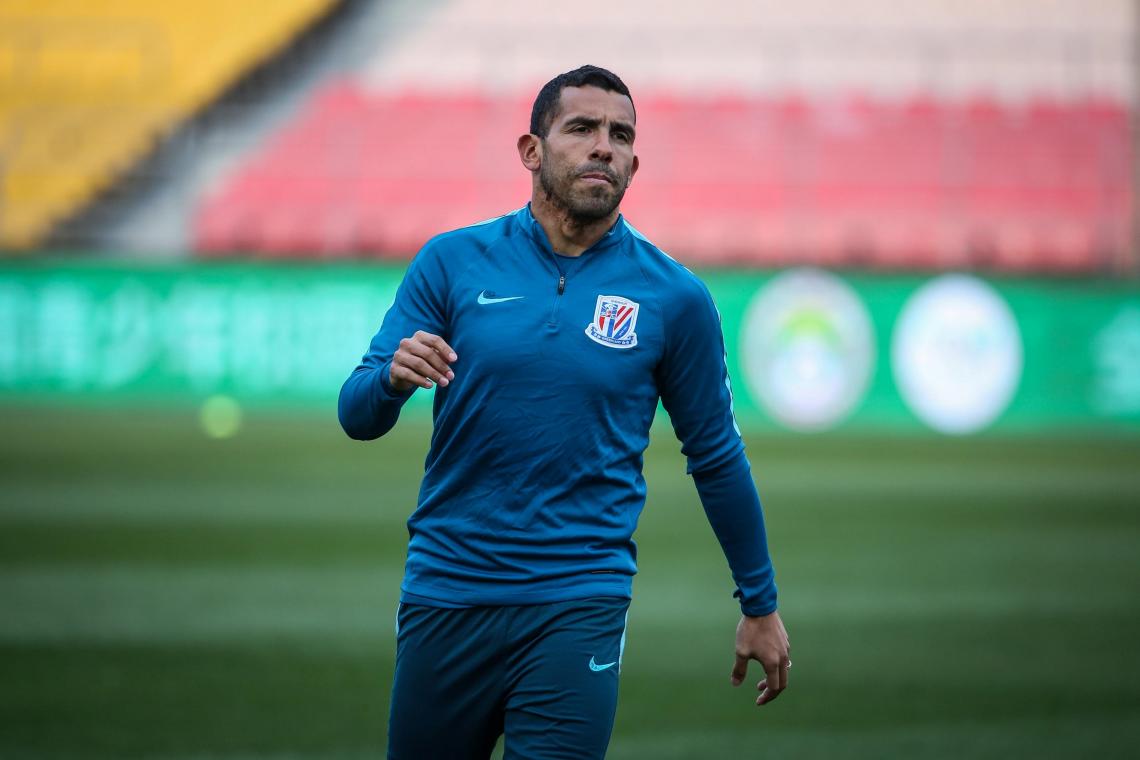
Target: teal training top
x,y
533,483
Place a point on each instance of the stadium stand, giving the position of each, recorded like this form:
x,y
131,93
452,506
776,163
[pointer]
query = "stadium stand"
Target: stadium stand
x,y
944,133
86,88
734,179
949,49
925,135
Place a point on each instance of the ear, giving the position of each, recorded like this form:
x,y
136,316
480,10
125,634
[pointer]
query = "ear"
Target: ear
x,y
530,152
633,170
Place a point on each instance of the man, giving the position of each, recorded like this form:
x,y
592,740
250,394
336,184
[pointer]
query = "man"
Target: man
x,y
549,335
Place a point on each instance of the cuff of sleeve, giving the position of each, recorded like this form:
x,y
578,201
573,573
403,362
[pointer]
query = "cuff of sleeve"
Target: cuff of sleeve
x,y
758,603
758,610
386,391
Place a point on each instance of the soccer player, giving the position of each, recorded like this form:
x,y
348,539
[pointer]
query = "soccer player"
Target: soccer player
x,y
549,335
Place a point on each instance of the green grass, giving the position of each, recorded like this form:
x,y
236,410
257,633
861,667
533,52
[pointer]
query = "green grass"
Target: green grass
x,y
166,595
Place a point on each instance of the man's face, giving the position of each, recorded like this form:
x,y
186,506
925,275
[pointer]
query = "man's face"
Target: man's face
x,y
587,154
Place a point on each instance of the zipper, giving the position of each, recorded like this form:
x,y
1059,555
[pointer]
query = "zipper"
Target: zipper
x,y
560,290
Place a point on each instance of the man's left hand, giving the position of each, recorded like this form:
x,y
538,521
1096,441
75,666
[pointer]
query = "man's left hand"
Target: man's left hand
x,y
763,639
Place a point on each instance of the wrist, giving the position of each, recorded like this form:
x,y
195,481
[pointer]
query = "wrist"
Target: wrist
x,y
758,611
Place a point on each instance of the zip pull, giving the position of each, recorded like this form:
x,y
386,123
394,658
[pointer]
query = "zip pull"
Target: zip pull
x,y
561,284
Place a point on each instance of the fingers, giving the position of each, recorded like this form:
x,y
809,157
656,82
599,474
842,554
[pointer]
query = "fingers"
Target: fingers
x,y
438,344
426,363
773,676
767,694
422,360
739,670
432,350
775,682
763,638
405,374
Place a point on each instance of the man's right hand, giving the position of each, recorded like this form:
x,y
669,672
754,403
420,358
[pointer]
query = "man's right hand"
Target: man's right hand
x,y
421,360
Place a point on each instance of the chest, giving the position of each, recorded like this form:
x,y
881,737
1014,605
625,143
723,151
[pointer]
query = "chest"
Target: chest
x,y
587,329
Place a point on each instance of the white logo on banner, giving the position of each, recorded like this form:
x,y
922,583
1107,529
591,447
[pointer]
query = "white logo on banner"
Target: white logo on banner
x,y
956,354
1116,363
808,349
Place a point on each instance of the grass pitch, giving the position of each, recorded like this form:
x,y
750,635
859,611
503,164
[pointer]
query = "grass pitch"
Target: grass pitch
x,y
167,595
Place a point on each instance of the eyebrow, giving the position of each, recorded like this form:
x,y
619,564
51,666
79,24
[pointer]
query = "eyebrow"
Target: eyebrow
x,y
587,121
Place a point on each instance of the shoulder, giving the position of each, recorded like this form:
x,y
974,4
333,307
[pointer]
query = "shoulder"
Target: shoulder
x,y
666,275
477,236
448,254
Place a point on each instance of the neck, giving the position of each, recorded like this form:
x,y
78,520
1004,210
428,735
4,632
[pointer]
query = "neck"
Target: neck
x,y
568,236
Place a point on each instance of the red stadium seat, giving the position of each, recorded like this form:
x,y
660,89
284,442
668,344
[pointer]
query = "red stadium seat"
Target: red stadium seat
x,y
731,179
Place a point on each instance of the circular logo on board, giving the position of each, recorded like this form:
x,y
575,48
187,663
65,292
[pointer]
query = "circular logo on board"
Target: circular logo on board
x,y
807,349
956,354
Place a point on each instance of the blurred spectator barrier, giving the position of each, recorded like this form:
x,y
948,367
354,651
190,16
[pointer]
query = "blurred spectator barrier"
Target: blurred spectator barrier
x,y
809,350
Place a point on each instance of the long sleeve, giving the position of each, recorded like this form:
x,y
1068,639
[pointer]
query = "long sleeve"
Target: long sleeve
x,y
695,390
368,406
733,509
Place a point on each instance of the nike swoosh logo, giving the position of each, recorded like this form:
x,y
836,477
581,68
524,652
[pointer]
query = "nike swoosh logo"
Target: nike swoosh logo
x,y
594,666
484,299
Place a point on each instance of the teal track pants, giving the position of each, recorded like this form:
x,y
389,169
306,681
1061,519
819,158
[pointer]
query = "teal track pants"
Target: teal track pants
x,y
544,676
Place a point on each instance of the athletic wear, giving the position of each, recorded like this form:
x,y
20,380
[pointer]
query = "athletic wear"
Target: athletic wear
x,y
533,483
546,674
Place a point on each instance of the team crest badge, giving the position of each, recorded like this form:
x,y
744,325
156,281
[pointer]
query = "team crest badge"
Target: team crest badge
x,y
614,321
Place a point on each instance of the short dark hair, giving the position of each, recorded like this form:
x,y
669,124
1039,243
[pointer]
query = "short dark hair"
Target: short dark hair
x,y
546,104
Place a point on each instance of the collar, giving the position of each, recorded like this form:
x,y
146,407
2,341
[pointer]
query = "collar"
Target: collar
x,y
536,233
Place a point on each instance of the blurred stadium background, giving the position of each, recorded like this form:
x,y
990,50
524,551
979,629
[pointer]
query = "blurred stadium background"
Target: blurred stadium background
x,y
917,218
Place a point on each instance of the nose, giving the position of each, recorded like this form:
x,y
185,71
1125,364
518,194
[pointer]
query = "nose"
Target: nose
x,y
603,148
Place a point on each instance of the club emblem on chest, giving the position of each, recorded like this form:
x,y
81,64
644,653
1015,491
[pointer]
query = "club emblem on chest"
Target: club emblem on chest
x,y
614,321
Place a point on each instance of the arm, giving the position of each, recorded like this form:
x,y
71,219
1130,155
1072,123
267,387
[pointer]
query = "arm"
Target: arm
x,y
405,353
369,406
694,384
732,506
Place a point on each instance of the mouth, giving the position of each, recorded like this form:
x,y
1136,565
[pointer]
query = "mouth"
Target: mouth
x,y
596,178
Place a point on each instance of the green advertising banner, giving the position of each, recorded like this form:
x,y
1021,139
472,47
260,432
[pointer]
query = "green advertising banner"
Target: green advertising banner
x,y
809,350
813,350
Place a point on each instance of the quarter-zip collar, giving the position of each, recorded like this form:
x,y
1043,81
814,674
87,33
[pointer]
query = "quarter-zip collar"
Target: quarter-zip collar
x,y
534,230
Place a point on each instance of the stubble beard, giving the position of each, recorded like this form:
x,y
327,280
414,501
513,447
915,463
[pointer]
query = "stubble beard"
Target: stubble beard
x,y
581,208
